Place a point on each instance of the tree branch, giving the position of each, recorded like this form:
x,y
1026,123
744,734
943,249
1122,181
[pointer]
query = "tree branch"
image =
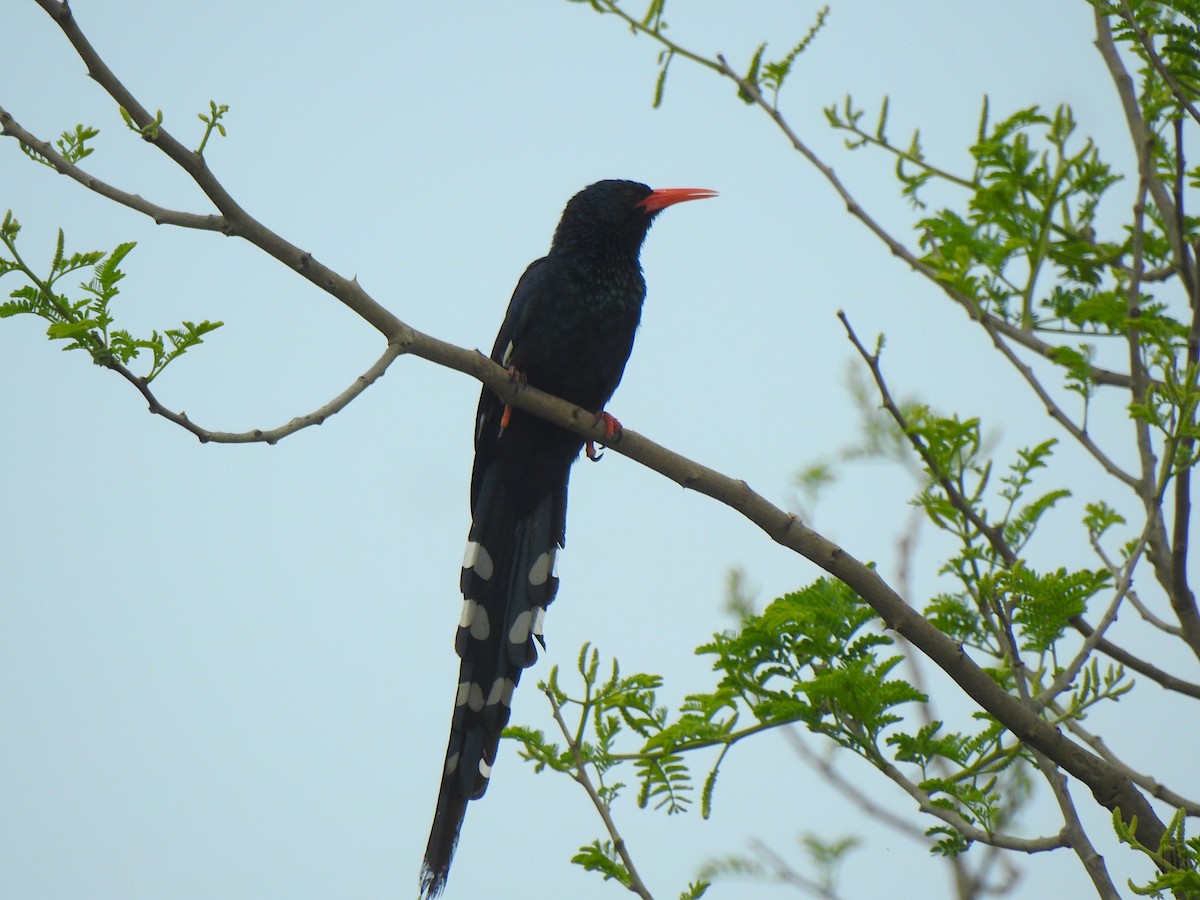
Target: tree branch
x,y
160,214
852,791
258,435
1142,137
1156,61
993,533
1148,783
636,885
237,221
966,829
1093,638
1055,412
1183,601
899,250
1073,831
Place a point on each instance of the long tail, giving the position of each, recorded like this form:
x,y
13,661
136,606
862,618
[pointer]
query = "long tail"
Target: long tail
x,y
508,580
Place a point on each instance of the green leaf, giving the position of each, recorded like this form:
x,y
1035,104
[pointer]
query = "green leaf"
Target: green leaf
x,y
1100,517
602,858
1045,604
751,76
76,329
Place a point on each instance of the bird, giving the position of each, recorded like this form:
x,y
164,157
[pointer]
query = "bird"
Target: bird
x,y
568,331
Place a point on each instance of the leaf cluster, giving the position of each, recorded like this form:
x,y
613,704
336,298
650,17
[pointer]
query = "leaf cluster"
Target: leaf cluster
x,y
86,321
1177,859
73,145
772,75
1025,245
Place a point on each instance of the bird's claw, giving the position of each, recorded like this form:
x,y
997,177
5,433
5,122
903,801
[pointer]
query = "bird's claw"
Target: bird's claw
x,y
611,427
519,381
516,376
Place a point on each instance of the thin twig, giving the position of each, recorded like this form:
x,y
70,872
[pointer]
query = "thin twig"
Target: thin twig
x,y
1116,572
1159,550
993,533
899,250
237,221
1030,341
1156,60
636,26
852,792
1151,785
1056,413
1137,664
1141,137
259,435
636,885
160,214
1066,677
972,833
723,740
785,874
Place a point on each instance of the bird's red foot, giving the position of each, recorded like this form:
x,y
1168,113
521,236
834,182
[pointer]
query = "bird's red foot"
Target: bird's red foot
x,y
611,427
518,379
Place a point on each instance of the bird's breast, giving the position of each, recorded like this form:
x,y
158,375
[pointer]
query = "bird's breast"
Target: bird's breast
x,y
584,337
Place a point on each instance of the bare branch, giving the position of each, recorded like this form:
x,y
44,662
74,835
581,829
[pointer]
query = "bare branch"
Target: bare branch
x,y
1147,782
1142,140
258,435
1132,595
1183,601
785,874
160,214
1055,412
851,791
993,533
1030,341
236,220
1073,831
965,828
1129,661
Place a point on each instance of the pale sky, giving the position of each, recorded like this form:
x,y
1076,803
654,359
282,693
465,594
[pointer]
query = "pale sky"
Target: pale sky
x,y
228,671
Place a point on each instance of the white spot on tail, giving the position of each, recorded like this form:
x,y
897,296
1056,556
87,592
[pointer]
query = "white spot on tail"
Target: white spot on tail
x,y
468,613
477,558
464,688
539,616
541,569
507,353
480,628
475,697
451,764
501,692
484,769
519,632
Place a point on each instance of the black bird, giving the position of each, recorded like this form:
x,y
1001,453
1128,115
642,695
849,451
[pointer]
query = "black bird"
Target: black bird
x,y
568,331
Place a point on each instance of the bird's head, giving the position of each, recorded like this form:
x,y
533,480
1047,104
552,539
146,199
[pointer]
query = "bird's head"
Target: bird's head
x,y
616,214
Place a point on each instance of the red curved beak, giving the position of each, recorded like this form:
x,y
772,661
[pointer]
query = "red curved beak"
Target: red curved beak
x,y
665,197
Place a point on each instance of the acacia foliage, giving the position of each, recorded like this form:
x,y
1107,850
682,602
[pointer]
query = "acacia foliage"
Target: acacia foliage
x,y
1078,306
